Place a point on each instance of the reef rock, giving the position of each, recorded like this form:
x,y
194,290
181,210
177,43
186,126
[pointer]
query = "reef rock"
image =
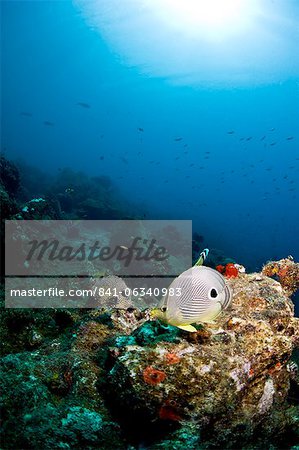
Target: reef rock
x,y
286,271
91,378
226,382
9,176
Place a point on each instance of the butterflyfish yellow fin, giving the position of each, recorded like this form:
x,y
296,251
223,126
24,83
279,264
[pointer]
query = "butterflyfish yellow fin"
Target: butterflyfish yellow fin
x,y
189,328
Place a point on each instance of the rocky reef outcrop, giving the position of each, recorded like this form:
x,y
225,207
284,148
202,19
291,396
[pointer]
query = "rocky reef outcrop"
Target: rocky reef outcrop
x,y
228,380
121,379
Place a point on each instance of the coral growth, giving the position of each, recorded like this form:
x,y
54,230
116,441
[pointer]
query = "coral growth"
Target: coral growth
x,y
235,373
153,376
89,379
168,411
286,271
172,358
230,270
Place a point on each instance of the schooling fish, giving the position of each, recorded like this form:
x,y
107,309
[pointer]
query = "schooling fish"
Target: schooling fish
x,y
25,114
83,105
199,294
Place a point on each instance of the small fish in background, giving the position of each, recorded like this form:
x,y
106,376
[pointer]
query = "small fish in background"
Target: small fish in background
x,y
69,190
263,138
124,160
290,138
141,130
25,114
272,129
273,143
249,138
101,158
231,132
83,105
48,124
178,139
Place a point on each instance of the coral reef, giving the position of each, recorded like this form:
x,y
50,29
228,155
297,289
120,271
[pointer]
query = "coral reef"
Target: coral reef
x,y
9,176
68,195
53,403
9,187
8,206
39,209
236,378
120,379
287,272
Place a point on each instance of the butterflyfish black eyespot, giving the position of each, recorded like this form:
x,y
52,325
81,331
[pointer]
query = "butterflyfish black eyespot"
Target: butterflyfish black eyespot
x,y
213,293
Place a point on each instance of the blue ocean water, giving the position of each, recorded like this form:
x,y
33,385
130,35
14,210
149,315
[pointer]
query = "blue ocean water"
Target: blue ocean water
x,y
197,127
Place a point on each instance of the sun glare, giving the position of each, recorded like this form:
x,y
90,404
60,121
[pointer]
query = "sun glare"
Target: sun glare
x,y
201,42
209,18
213,12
